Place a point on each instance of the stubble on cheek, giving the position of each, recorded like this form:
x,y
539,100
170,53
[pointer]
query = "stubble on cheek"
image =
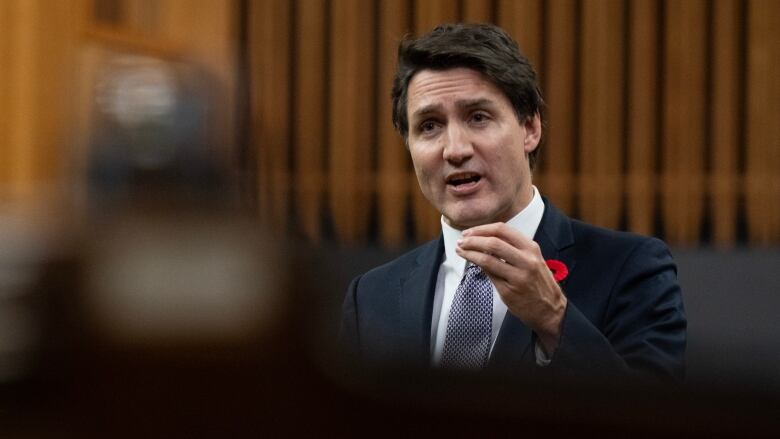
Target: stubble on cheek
x,y
423,183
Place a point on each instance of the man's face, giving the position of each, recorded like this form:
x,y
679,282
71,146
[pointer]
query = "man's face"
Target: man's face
x,y
468,148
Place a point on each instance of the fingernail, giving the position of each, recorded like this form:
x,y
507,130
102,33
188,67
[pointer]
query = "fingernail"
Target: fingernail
x,y
460,242
467,232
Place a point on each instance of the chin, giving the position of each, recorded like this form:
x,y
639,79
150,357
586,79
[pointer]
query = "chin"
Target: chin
x,y
470,213
464,222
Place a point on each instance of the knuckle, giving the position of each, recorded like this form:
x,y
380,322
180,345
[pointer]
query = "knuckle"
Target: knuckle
x,y
493,245
478,258
525,260
522,277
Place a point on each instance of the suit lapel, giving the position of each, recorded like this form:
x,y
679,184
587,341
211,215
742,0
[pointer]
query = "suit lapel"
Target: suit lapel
x,y
513,344
555,235
416,302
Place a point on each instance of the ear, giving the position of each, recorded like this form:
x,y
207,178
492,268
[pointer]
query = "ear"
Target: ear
x,y
533,133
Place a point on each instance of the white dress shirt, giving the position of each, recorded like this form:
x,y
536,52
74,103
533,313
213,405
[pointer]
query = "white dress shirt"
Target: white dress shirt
x,y
452,269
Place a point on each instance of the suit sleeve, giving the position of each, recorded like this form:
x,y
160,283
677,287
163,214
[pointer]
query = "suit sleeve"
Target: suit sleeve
x,y
644,327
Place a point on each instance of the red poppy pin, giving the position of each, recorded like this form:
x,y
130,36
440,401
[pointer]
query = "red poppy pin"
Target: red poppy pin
x,y
558,268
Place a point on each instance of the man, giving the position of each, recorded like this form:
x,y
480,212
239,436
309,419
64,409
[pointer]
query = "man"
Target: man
x,y
483,295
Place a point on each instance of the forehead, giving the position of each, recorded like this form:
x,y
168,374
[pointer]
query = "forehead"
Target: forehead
x,y
442,87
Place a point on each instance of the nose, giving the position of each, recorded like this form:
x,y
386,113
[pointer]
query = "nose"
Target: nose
x,y
457,148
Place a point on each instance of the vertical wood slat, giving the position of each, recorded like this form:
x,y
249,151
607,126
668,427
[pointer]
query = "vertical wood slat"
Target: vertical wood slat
x,y
270,62
477,11
37,50
7,23
723,182
642,116
684,122
350,117
560,52
22,138
763,135
601,113
392,180
773,14
309,122
53,98
523,20
427,15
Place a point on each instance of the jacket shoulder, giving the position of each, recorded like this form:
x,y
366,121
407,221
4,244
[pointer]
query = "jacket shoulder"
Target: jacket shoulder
x,y
401,265
596,238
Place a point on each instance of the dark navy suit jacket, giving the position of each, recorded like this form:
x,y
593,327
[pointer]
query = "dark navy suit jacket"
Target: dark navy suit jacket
x,y
625,311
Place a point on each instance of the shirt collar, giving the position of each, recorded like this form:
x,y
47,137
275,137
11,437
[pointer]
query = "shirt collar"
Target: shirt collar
x,y
526,222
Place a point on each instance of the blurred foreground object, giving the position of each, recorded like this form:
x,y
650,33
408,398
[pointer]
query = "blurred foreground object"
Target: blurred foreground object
x,y
172,257
151,137
167,292
182,279
22,252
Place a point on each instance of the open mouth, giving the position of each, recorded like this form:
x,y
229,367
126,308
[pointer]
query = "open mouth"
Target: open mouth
x,y
464,178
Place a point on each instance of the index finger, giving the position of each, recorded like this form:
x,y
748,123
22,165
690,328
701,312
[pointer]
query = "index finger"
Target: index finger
x,y
501,231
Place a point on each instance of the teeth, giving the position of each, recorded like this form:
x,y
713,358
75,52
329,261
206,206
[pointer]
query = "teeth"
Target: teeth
x,y
462,178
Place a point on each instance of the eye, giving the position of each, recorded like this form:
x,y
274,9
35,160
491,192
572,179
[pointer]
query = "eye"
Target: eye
x,y
479,117
428,126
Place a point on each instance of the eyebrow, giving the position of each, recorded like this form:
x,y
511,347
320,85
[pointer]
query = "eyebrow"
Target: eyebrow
x,y
463,104
471,103
428,109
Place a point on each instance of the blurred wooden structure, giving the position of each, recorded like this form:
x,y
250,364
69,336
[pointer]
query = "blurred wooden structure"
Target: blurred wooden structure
x,y
662,115
661,118
51,56
37,40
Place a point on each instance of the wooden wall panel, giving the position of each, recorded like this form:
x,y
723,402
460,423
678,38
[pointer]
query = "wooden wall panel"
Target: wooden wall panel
x,y
392,184
37,49
642,114
429,13
54,95
601,113
270,55
763,132
25,48
478,11
523,20
143,15
351,115
7,23
773,17
685,90
309,119
712,82
559,81
725,138
651,102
